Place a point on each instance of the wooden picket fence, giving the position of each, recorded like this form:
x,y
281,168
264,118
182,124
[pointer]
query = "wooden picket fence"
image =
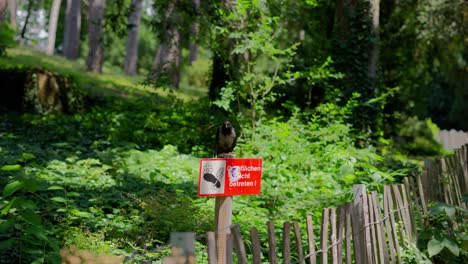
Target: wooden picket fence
x,y
370,229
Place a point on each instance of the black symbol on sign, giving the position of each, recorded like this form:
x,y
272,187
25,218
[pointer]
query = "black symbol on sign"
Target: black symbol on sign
x,y
211,178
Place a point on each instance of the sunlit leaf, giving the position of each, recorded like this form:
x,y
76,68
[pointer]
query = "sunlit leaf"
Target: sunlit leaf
x,y
59,199
11,167
12,187
434,247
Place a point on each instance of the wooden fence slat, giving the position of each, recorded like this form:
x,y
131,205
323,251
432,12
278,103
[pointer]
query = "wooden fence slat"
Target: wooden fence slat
x,y
341,221
239,244
382,246
390,226
406,193
416,198
271,243
211,243
401,216
365,225
287,243
334,251
256,246
422,194
359,191
374,253
456,174
348,232
310,240
297,235
446,182
324,236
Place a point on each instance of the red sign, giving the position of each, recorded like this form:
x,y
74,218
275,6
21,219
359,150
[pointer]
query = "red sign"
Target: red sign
x,y
227,177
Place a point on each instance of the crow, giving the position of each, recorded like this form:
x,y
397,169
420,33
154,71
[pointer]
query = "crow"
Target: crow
x,y
225,138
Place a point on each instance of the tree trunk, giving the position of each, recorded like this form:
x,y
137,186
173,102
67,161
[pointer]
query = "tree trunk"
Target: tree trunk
x,y
12,6
195,28
54,15
131,58
71,40
3,5
95,58
166,66
373,49
222,68
26,21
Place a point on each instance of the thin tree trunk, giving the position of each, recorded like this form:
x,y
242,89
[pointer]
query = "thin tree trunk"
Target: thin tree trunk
x,y
25,25
3,5
54,14
12,6
221,73
95,58
194,30
71,40
373,51
131,58
166,66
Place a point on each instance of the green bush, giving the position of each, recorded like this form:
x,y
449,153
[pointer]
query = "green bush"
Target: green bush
x,y
7,37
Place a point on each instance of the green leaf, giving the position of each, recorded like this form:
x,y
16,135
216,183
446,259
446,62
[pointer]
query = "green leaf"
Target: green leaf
x,y
59,199
7,244
452,246
37,231
5,225
28,156
11,167
12,187
55,187
450,210
32,218
7,208
27,204
434,247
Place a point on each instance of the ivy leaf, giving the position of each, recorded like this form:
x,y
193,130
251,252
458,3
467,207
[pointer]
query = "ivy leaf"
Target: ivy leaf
x,y
452,246
11,167
59,199
32,218
12,187
434,246
55,187
7,243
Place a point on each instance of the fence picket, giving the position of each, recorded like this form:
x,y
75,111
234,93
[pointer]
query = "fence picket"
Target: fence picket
x,y
334,245
341,221
310,240
390,224
348,232
211,243
239,244
373,241
297,235
382,246
256,246
324,236
271,243
287,243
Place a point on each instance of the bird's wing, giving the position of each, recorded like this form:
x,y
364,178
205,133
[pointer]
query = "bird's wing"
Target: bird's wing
x,y
235,138
217,140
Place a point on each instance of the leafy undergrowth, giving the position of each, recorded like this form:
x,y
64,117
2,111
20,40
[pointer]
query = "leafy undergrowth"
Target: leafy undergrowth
x,y
118,179
112,83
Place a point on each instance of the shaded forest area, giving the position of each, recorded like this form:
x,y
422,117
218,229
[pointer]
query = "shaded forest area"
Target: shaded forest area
x,y
107,106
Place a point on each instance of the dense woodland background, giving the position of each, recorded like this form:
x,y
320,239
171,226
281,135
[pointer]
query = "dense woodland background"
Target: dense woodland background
x,y
107,106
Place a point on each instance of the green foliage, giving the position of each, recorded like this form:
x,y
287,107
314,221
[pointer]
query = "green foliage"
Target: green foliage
x,y
309,161
419,137
444,236
7,38
263,63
